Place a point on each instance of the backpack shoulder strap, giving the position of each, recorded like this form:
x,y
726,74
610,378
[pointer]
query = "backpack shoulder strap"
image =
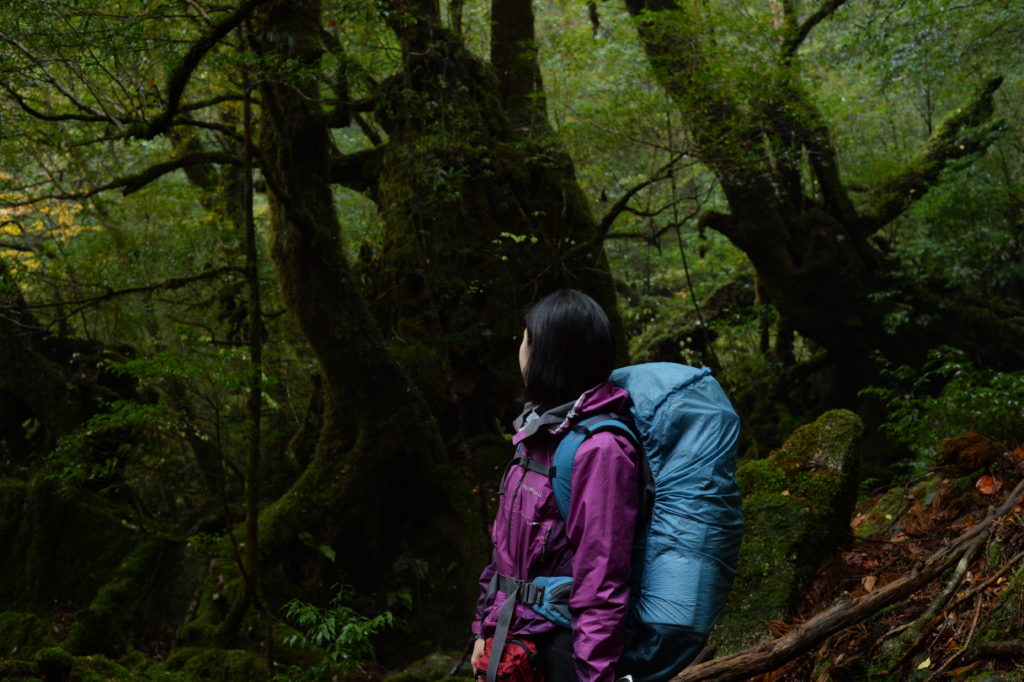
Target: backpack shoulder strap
x,y
565,453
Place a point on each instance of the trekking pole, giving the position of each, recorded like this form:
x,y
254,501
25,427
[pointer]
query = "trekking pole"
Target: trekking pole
x,y
465,653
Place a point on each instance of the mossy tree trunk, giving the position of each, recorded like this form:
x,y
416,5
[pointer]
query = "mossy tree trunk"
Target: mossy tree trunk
x,y
38,402
378,486
790,212
482,215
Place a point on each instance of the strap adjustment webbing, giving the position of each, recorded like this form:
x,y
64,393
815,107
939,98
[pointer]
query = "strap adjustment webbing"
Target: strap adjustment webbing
x,y
519,592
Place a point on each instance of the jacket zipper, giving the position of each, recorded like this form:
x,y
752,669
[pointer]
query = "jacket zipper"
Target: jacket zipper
x,y
512,502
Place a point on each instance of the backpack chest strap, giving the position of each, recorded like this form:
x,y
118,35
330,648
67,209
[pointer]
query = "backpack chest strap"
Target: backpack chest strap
x,y
531,464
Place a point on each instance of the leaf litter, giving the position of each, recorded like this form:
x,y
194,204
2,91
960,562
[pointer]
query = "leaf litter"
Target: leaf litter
x,y
934,634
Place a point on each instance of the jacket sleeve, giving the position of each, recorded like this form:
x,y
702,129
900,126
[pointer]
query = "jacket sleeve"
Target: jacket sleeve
x,y
484,599
600,527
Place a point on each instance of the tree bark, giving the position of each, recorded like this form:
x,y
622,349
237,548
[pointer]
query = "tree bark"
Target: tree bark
x,y
378,486
31,385
482,215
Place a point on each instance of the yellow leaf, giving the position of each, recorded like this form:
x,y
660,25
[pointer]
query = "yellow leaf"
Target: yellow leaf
x,y
926,663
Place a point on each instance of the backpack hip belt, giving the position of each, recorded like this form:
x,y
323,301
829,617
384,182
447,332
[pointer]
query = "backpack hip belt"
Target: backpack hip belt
x,y
518,592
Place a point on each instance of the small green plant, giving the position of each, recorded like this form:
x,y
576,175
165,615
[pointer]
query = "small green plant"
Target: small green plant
x,y
948,396
342,633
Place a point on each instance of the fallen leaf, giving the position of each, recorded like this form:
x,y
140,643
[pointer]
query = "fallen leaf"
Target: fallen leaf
x,y
926,663
785,493
868,582
988,485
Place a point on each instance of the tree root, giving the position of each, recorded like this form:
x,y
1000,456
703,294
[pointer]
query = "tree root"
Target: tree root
x,y
769,656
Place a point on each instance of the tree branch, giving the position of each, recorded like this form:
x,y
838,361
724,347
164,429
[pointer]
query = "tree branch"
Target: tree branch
x,y
133,183
359,170
169,284
792,44
621,205
70,96
722,223
989,650
35,113
182,73
967,131
846,612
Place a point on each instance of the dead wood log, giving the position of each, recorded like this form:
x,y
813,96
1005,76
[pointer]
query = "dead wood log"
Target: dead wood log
x,y
771,655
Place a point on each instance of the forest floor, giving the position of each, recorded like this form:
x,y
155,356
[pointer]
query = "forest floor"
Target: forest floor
x,y
965,625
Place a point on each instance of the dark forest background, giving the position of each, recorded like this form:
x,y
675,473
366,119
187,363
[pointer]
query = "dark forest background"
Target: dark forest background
x,y
263,267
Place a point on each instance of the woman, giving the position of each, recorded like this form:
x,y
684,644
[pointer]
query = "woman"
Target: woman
x,y
565,357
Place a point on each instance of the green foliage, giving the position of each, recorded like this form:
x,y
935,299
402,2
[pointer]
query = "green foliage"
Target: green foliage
x,y
948,396
342,633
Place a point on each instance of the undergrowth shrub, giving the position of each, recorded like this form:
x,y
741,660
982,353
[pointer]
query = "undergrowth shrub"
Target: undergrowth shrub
x,y
947,396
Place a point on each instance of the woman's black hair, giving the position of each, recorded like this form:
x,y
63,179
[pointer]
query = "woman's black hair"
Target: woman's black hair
x,y
571,348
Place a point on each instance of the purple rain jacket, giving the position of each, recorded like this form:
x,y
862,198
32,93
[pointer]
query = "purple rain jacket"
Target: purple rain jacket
x,y
593,545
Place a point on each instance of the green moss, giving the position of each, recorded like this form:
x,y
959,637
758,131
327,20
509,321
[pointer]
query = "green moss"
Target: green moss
x,y
815,465
98,628
17,670
219,665
54,663
994,553
22,634
797,506
101,669
878,515
1004,621
61,546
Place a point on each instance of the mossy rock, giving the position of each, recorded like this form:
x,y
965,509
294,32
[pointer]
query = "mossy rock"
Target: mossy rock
x,y
219,665
59,545
797,505
95,631
102,669
22,671
427,669
22,634
878,515
54,663
147,595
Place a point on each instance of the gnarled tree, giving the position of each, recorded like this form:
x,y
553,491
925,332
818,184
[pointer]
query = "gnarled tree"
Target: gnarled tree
x,y
755,125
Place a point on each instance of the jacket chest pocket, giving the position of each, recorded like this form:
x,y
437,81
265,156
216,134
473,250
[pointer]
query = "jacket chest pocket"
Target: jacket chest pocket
x,y
531,497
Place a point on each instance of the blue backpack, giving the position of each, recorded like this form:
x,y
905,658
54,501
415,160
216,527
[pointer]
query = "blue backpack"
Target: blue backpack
x,y
685,556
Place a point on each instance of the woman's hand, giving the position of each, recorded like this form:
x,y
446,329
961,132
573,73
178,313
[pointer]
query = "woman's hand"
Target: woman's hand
x,y
478,651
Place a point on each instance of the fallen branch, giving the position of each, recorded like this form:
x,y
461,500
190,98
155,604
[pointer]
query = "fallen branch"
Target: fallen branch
x,y
987,650
771,655
912,638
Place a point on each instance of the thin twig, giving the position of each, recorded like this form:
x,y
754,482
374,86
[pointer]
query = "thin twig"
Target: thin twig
x,y
967,641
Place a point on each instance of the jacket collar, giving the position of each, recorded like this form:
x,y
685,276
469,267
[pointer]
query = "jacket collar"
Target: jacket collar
x,y
605,397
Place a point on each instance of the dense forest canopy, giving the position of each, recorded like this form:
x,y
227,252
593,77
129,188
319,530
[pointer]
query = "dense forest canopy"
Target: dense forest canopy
x,y
263,266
